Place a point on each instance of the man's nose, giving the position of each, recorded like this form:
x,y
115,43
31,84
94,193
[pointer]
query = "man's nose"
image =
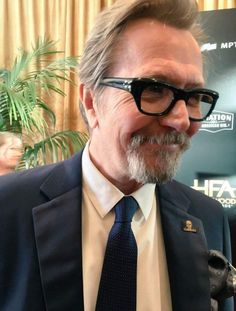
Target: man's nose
x,y
177,118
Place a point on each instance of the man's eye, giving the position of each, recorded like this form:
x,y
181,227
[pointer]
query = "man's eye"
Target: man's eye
x,y
153,93
156,89
204,98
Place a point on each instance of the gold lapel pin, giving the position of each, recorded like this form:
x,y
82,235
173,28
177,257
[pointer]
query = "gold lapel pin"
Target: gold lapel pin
x,y
188,226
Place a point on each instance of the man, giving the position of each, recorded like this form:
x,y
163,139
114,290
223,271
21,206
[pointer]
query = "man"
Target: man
x,y
139,65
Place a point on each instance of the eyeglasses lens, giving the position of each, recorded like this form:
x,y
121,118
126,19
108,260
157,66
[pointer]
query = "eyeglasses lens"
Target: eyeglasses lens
x,y
158,98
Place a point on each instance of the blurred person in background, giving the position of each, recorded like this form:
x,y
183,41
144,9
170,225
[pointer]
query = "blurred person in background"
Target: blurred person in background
x,y
11,150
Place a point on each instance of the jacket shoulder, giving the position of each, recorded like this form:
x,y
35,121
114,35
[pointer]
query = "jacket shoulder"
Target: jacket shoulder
x,y
25,188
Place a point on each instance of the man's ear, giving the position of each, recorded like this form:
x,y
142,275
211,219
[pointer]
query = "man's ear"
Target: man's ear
x,y
87,99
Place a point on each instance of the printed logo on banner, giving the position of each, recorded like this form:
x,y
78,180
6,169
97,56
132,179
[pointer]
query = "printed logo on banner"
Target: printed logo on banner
x,y
218,121
208,47
221,190
214,46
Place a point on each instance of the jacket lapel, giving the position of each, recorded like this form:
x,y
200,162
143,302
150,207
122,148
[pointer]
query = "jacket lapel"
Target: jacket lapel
x,y
58,235
186,251
57,225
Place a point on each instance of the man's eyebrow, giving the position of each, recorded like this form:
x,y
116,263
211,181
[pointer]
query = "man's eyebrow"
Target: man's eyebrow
x,y
175,81
195,85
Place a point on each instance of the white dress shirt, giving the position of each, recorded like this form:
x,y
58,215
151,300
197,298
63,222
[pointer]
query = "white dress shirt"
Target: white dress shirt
x,y
99,197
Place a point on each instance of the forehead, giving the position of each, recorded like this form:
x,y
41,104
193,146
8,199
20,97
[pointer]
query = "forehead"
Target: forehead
x,y
148,47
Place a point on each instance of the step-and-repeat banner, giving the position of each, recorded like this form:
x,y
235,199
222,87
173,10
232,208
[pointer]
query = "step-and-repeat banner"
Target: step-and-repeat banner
x,y
210,164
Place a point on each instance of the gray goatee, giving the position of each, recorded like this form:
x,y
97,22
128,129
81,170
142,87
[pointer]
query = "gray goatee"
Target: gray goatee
x,y
166,163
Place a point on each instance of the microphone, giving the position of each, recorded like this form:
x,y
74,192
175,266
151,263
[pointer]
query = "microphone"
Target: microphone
x,y
222,278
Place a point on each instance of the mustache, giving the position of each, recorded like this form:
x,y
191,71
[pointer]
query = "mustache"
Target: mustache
x,y
164,139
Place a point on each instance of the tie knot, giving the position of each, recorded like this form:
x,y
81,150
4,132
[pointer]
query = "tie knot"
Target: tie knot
x,y
125,209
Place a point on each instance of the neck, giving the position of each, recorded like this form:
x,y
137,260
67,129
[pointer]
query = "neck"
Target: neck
x,y
118,178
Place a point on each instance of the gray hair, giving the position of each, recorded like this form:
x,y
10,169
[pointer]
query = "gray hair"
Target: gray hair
x,y
107,30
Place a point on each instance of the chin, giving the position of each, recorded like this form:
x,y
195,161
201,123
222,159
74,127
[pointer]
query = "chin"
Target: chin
x,y
159,169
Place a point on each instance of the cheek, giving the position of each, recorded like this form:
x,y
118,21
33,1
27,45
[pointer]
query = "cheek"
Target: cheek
x,y
193,128
118,110
119,117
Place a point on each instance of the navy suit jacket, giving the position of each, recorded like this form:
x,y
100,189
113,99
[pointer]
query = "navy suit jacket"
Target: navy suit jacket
x,y
41,240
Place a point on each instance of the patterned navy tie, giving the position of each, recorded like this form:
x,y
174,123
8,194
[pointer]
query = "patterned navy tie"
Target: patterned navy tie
x,y
117,290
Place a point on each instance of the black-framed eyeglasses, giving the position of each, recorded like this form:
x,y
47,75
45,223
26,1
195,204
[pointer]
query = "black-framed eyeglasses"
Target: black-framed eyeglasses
x,y
157,98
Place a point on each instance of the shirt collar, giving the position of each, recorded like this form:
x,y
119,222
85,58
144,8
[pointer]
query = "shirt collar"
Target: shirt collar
x,y
104,195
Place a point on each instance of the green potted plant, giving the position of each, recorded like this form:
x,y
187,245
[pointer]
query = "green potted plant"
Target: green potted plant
x,y
24,92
